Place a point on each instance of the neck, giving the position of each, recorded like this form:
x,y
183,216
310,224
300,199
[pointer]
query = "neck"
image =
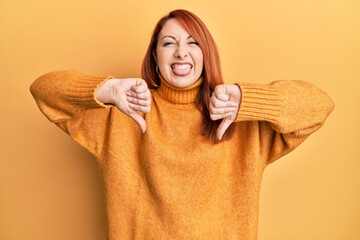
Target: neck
x,y
179,95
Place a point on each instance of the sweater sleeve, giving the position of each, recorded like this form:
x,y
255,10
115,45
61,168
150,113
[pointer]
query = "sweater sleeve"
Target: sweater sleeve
x,y
287,113
67,99
62,94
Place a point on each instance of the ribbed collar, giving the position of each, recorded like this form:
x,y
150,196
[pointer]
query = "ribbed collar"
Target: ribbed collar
x,y
179,95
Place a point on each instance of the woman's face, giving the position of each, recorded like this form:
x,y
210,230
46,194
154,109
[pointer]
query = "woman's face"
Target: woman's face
x,y
178,55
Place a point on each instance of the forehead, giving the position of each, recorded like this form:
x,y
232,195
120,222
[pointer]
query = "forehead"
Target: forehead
x,y
173,28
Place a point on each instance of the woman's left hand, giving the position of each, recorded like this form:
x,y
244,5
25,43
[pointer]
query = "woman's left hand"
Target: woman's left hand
x,y
224,104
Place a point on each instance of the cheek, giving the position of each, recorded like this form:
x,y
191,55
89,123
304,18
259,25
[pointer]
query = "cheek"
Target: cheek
x,y
163,56
198,55
200,59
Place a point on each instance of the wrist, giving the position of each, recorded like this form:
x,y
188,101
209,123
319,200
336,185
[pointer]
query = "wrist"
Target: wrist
x,y
239,93
105,92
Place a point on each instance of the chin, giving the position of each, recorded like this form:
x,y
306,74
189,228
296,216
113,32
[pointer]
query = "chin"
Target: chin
x,y
184,84
187,80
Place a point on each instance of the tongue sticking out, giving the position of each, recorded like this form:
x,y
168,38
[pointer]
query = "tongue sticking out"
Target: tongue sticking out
x,y
181,69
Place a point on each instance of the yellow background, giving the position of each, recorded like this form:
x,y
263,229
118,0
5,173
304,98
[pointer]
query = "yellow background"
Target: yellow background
x,y
50,187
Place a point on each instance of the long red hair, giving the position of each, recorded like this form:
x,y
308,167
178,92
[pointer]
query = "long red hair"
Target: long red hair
x,y
211,73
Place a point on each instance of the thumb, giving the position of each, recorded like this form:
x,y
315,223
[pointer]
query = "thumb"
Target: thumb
x,y
222,128
222,96
221,93
139,120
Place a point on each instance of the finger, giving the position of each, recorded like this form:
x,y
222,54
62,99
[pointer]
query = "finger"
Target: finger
x,y
223,97
140,81
218,105
145,95
139,108
222,128
137,101
220,93
140,86
222,110
215,117
222,104
139,89
139,120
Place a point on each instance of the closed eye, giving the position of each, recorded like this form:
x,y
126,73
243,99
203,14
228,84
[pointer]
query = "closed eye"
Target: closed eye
x,y
194,43
168,44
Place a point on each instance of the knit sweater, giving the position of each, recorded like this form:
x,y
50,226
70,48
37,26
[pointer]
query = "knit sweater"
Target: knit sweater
x,y
170,182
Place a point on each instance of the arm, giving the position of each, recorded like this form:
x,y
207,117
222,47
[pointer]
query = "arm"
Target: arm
x,y
66,98
287,112
289,106
292,109
80,104
61,95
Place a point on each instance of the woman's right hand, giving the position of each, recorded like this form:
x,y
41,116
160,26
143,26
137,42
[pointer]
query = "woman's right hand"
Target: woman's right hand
x,y
129,95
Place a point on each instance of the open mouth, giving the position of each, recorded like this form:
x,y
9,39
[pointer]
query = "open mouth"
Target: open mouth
x,y
181,69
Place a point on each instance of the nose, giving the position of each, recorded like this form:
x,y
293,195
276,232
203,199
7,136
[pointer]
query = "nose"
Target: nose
x,y
181,52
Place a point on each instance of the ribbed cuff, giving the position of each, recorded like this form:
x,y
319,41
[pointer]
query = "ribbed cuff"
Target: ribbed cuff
x,y
82,88
259,102
94,94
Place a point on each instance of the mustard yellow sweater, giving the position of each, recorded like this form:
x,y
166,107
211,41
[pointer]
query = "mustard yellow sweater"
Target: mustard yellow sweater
x,y
170,182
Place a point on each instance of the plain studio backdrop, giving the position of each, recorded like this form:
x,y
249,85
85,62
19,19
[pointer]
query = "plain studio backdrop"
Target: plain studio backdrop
x,y
50,187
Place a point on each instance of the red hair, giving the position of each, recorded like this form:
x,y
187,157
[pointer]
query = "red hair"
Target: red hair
x,y
211,73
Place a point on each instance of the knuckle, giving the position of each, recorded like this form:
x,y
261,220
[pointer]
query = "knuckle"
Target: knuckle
x,y
213,101
138,89
217,103
211,108
214,111
218,89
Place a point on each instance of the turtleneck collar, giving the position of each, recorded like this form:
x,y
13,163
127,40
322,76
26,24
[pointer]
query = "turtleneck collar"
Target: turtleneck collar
x,y
179,95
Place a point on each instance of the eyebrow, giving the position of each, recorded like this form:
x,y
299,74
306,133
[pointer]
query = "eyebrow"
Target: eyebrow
x,y
173,37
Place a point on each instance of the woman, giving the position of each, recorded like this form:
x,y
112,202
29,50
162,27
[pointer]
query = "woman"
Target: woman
x,y
193,168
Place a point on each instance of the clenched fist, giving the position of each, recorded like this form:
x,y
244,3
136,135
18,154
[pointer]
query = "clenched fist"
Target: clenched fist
x,y
224,104
129,95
